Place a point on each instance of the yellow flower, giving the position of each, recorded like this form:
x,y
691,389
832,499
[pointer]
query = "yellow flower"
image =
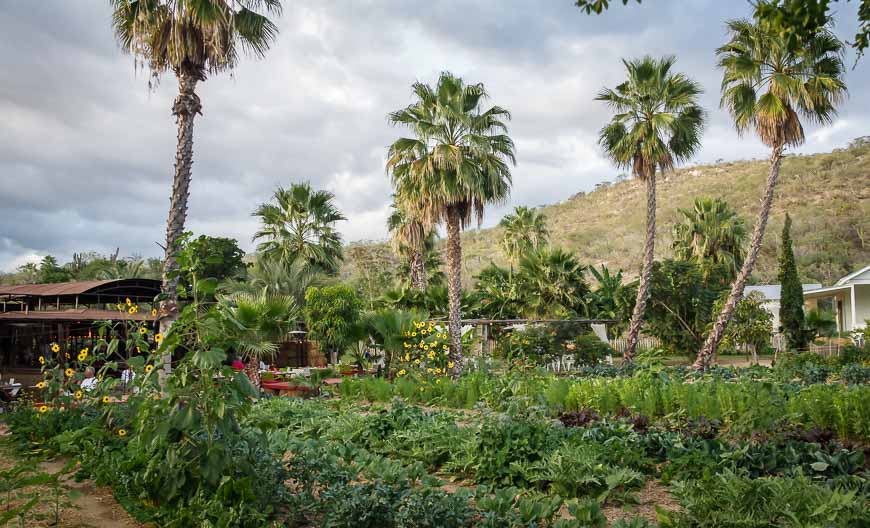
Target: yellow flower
x,y
137,350
407,357
143,330
55,347
106,399
122,432
82,356
450,364
445,347
78,395
148,369
158,338
429,370
402,372
438,381
417,361
40,385
69,372
67,355
128,301
431,355
43,409
413,334
41,360
423,332
437,370
153,312
131,310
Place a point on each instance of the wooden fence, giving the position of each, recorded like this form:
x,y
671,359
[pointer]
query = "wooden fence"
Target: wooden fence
x,y
620,344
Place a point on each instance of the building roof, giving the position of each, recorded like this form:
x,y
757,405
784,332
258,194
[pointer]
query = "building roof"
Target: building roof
x,y
139,288
80,314
772,292
852,276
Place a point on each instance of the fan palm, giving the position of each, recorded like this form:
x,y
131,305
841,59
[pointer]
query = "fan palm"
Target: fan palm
x,y
192,39
457,162
299,228
765,86
274,278
611,300
658,123
710,235
410,231
553,282
524,230
255,323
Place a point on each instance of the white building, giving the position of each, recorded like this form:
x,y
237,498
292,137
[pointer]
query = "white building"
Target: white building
x,y
848,300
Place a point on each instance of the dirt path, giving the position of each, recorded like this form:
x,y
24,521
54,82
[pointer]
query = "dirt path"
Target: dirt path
x,y
89,507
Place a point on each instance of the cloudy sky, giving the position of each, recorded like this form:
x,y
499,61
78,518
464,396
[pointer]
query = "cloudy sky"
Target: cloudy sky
x,y
86,150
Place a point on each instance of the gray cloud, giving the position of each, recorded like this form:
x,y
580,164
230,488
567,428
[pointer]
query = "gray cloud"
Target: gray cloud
x,y
86,150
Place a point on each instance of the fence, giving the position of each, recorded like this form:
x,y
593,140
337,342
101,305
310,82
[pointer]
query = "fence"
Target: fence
x,y
620,344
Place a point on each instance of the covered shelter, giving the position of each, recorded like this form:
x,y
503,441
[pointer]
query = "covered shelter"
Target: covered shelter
x,y
32,316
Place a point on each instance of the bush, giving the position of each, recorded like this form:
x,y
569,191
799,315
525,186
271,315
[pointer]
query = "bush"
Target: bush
x,y
588,349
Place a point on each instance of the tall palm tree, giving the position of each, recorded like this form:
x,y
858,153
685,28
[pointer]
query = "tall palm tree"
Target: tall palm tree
x,y
255,323
191,38
271,277
658,123
299,227
765,86
710,234
524,230
457,162
409,231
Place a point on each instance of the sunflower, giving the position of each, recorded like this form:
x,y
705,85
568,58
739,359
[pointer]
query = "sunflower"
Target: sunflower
x,y
143,330
450,364
78,395
55,347
148,369
40,385
119,307
43,409
153,312
402,372
132,310
82,356
106,399
41,360
158,338
122,432
128,301
69,372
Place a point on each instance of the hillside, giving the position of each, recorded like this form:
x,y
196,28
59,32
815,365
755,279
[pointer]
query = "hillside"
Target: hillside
x,y
827,195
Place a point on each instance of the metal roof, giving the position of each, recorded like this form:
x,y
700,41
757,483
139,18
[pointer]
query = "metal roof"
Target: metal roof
x,y
78,288
772,292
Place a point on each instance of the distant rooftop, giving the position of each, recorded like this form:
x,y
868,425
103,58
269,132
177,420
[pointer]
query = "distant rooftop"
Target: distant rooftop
x,y
771,292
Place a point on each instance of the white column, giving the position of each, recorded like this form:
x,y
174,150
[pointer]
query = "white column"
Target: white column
x,y
854,311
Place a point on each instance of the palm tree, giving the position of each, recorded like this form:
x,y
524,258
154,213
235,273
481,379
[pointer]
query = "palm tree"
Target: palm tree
x,y
658,123
765,85
611,300
191,38
410,231
710,235
255,323
299,227
553,282
524,230
271,277
457,162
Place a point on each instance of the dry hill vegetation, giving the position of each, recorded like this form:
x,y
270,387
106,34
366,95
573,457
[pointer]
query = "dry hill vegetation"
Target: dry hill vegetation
x,y
827,195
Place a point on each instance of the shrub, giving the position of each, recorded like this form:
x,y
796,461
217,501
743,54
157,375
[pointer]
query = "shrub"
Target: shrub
x,y
588,349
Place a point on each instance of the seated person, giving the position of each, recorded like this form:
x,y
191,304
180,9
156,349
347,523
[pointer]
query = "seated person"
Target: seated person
x,y
90,382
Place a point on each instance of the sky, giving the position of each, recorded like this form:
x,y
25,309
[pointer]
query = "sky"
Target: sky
x,y
87,149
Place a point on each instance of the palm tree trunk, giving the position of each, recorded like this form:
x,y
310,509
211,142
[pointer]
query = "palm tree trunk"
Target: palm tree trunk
x,y
185,108
706,354
454,287
252,370
646,269
418,271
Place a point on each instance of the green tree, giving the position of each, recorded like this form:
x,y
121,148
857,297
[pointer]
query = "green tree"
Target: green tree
x,y
192,39
611,300
374,270
525,230
791,298
765,86
497,294
51,271
552,284
409,230
255,324
331,313
751,325
711,235
457,162
229,265
657,124
387,328
681,304
300,227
